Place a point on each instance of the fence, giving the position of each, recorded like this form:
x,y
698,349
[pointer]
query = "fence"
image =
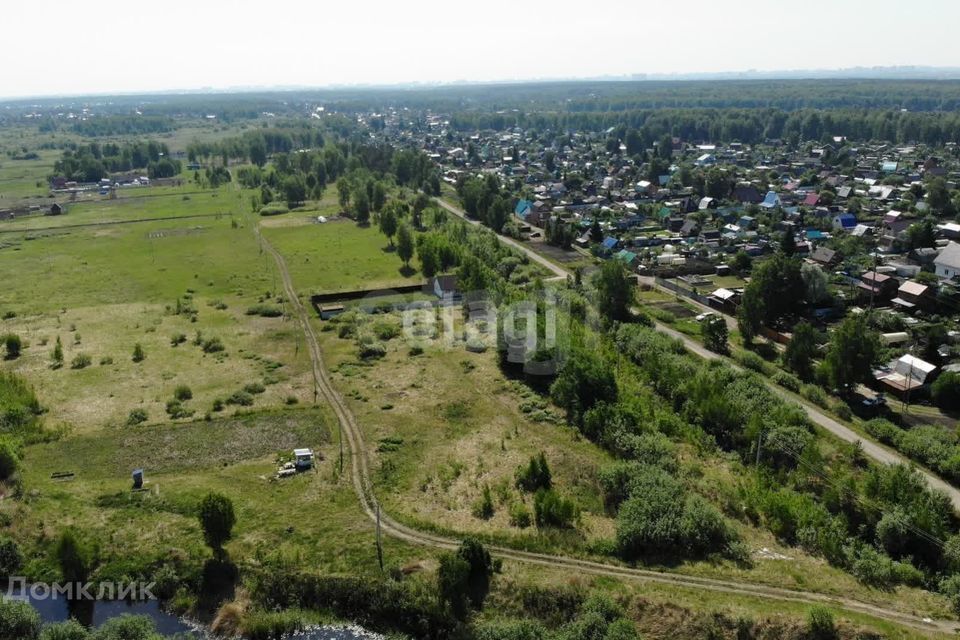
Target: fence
x,y
683,291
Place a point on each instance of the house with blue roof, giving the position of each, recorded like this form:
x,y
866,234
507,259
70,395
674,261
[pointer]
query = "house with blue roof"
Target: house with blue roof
x,y
610,243
844,221
771,201
628,258
523,208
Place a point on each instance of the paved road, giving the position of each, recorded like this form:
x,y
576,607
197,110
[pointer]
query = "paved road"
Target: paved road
x,y
360,477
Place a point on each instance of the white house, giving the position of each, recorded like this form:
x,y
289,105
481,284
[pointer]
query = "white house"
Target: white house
x,y
948,262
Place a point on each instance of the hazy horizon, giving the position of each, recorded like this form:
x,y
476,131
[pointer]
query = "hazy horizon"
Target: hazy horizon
x,y
237,45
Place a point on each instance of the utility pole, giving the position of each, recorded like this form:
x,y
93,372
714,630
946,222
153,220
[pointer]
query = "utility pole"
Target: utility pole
x,y
379,541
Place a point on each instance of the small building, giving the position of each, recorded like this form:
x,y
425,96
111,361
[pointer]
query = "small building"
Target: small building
x,y
878,286
445,288
57,209
947,264
303,459
844,222
912,295
905,374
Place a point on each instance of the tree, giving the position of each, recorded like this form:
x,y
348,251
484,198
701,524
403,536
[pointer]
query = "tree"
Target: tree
x,y
481,568
217,519
851,354
343,193
615,291
138,353
741,261
294,190
9,457
921,234
946,391
750,314
76,557
536,475
596,233
361,206
388,224
815,283
258,151
57,354
551,510
798,356
13,345
405,244
453,575
715,334
788,242
938,196
11,558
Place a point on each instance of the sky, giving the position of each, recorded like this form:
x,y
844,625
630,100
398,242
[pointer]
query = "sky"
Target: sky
x,y
52,47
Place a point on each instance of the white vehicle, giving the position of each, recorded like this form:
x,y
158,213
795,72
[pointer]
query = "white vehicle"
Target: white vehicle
x,y
706,314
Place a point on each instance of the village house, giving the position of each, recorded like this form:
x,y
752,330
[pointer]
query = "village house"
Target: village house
x,y
947,264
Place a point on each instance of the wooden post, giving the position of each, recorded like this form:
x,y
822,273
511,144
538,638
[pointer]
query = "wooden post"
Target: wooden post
x,y
379,542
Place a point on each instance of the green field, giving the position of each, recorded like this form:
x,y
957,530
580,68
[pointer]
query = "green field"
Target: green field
x,y
336,256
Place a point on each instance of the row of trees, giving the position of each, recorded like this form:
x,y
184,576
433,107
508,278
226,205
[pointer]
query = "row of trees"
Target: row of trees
x,y
92,162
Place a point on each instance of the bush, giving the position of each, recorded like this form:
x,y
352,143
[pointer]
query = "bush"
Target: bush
x,y
842,410
535,475
519,515
9,458
218,405
137,416
483,509
371,350
884,431
241,398
552,510
182,393
106,361
11,558
386,330
138,353
81,361
816,395
946,391
254,388
820,625
265,311
13,345
176,410
212,345
274,209
750,360
18,621
787,381
177,339
70,630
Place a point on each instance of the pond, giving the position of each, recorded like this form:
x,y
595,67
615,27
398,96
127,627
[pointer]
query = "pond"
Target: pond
x,y
167,624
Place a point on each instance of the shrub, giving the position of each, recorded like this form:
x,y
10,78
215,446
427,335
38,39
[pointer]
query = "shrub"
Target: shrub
x,y
842,410
106,361
218,405
274,209
519,515
884,431
138,353
752,361
483,509
70,630
254,388
11,558
217,519
176,410
816,395
552,510
820,625
241,398
946,391
212,345
535,475
386,330
182,393
371,350
265,311
9,458
13,345
177,339
787,381
18,620
81,361
291,400
137,416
